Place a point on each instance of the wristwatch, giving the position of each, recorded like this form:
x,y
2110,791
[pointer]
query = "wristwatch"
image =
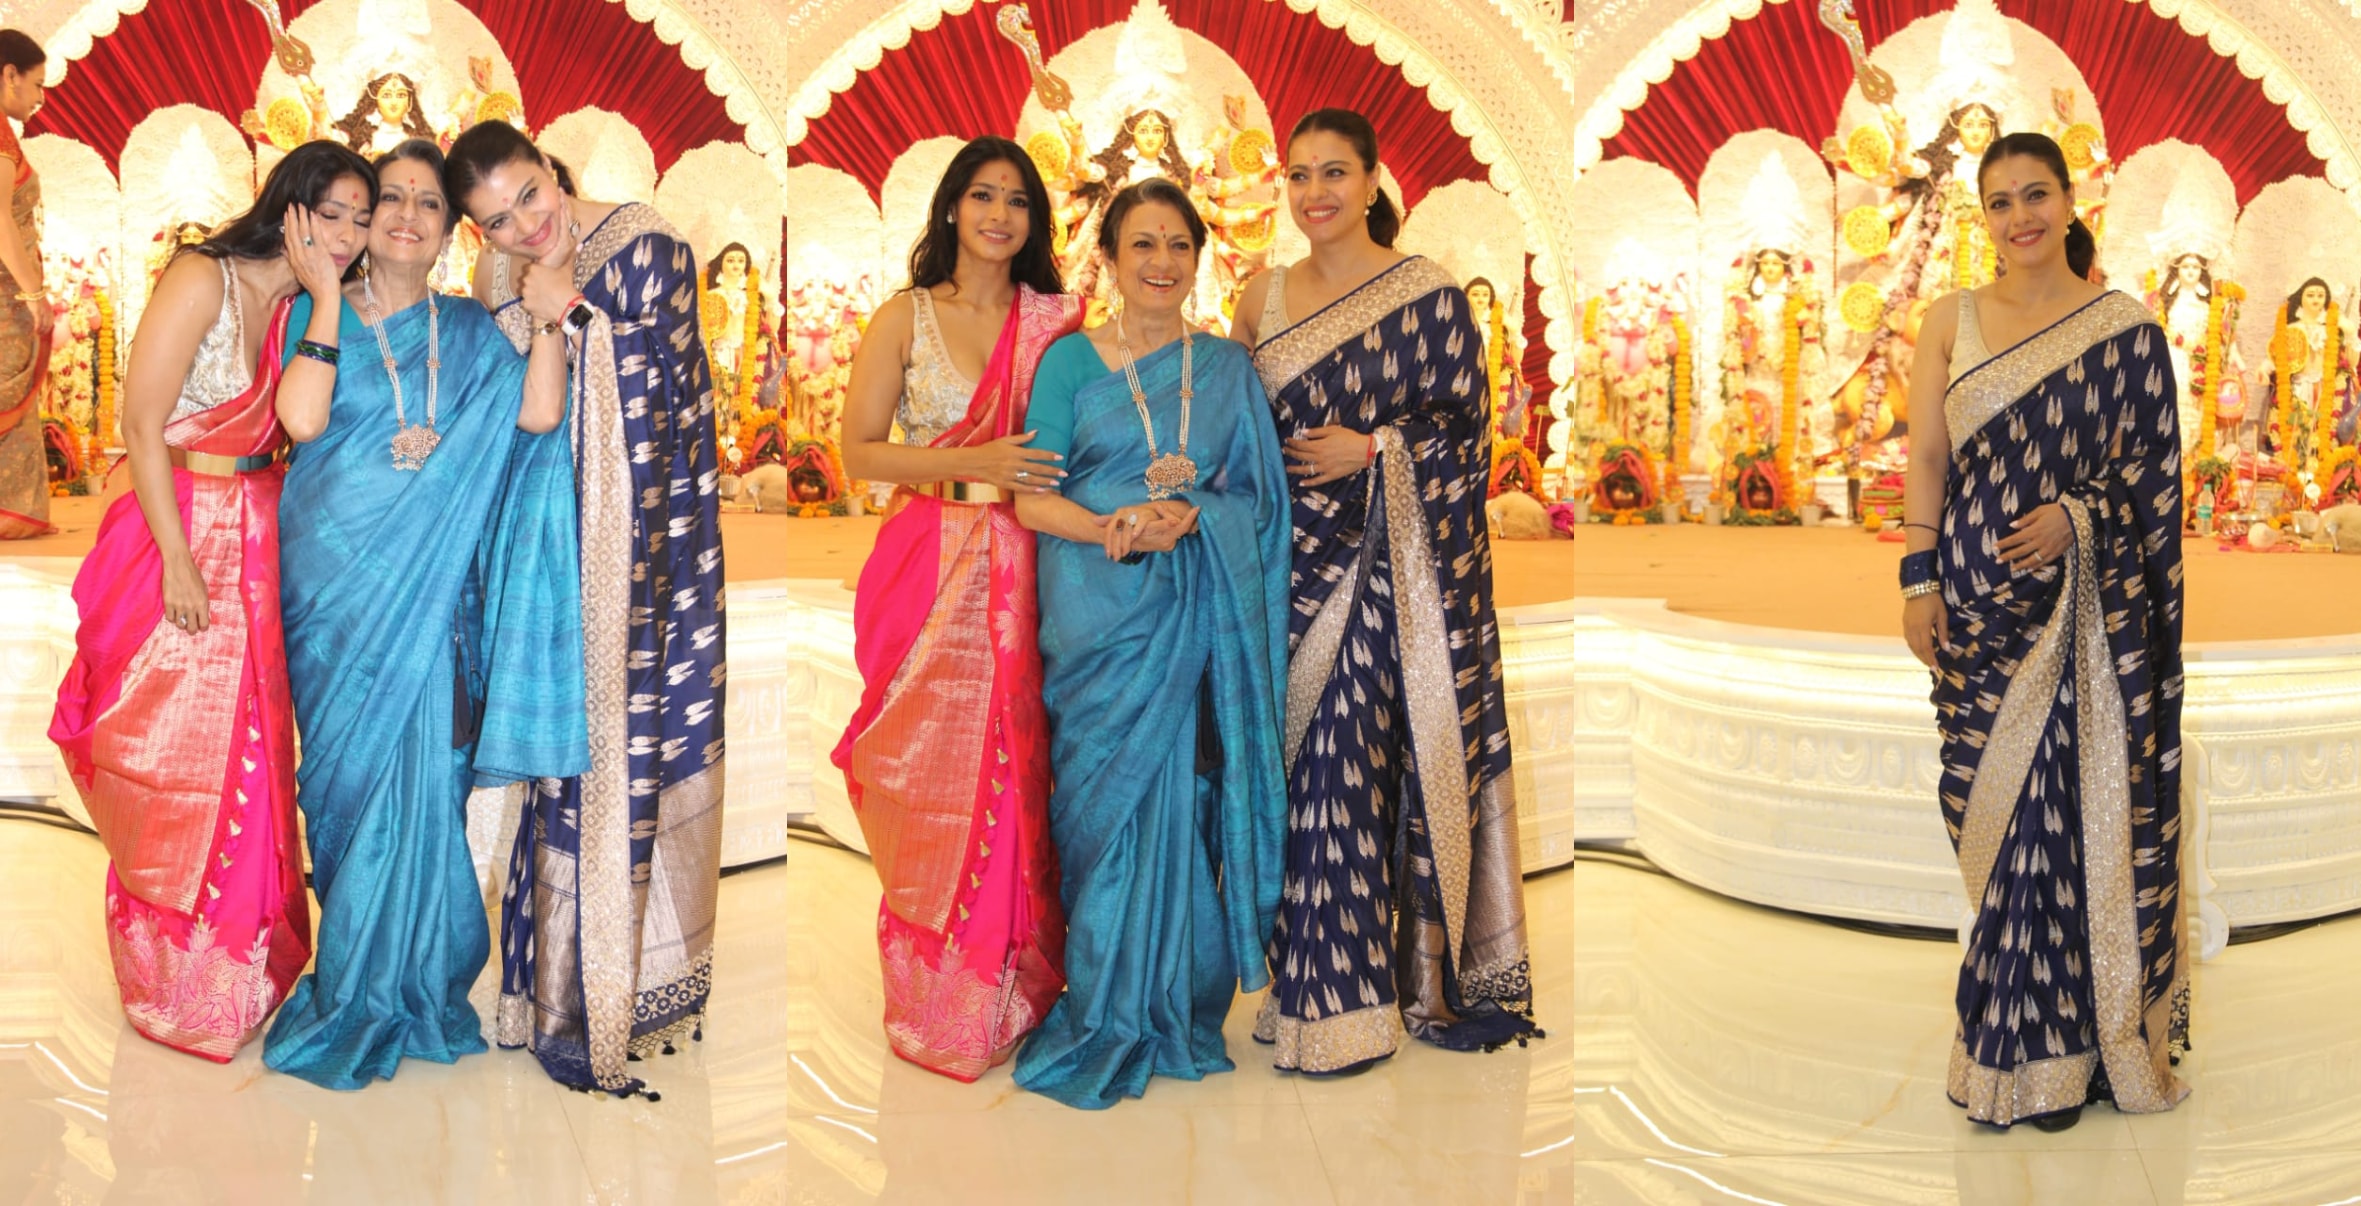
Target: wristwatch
x,y
578,316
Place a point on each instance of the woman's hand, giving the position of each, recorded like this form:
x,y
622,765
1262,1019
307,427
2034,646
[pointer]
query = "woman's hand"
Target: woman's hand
x,y
1926,625
1008,464
2037,538
184,594
548,290
1147,528
315,269
1326,454
44,317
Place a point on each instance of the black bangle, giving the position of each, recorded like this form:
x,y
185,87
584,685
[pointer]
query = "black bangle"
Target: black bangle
x,y
1928,526
1918,567
312,349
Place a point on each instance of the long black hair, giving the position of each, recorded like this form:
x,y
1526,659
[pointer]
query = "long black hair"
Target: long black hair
x,y
713,266
2082,247
302,178
19,50
2295,300
1385,221
934,258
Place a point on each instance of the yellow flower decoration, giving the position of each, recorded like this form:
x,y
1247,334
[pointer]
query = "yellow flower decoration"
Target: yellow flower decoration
x,y
1861,306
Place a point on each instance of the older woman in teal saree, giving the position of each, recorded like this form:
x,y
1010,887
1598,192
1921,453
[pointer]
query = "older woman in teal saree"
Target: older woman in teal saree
x,y
433,633
1163,577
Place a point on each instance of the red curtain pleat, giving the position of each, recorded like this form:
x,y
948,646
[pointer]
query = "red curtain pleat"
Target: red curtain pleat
x,y
211,53
1781,70
961,78
1536,363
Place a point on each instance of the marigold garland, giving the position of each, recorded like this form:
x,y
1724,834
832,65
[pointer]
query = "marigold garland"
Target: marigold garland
x,y
2324,405
750,344
1791,341
102,413
1590,339
1676,460
1624,459
2340,476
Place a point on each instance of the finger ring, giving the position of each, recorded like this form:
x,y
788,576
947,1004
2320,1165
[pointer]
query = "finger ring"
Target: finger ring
x,y
1135,519
1022,475
307,242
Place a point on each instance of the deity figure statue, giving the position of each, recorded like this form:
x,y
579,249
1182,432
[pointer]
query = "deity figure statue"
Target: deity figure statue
x,y
1234,183
1767,306
1142,148
1627,371
727,299
2310,355
385,116
2183,303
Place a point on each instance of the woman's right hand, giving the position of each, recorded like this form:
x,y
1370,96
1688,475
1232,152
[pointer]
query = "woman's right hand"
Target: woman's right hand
x,y
1926,625
1145,528
315,269
184,595
1011,466
44,318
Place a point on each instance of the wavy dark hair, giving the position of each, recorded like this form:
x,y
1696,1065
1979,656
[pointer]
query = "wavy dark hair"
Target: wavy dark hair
x,y
19,50
1385,221
2295,300
1155,190
713,266
2082,247
302,178
934,258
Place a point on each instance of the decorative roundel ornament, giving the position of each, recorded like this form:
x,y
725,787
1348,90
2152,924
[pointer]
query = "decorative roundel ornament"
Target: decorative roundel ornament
x,y
286,123
2080,142
1869,152
500,106
1255,237
1862,306
1867,234
1049,154
1251,151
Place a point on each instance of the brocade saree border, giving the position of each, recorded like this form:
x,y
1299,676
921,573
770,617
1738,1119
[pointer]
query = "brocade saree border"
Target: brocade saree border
x,y
1282,357
1985,392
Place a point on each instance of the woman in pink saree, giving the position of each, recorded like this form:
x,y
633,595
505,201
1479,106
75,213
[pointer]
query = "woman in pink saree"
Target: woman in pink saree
x,y
947,756
174,716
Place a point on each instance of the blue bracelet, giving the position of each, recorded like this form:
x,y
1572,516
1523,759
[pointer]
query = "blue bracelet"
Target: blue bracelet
x,y
315,350
1917,568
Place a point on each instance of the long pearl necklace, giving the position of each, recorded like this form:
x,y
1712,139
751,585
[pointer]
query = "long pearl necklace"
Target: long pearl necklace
x,y
1172,472
412,444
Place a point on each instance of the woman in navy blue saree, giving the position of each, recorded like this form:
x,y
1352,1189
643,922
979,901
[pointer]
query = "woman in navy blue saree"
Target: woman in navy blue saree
x,y
2047,600
427,574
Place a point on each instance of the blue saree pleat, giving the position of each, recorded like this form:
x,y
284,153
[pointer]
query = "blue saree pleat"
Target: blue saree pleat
x,y
2058,702
391,581
1170,855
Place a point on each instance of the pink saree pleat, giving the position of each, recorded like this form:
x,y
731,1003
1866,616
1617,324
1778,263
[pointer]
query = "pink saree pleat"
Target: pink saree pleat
x,y
953,800
182,745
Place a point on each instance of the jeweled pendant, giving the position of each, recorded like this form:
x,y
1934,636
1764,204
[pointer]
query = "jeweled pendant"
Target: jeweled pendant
x,y
412,445
1170,474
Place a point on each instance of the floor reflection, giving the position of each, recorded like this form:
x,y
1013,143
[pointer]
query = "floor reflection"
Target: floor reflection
x,y
1725,1053
1427,1125
90,1111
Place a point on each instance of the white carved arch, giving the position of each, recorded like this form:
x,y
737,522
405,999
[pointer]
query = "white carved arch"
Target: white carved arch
x,y
2305,96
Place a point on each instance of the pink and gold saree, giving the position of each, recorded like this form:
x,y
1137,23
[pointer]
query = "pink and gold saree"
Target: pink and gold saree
x,y
947,756
182,744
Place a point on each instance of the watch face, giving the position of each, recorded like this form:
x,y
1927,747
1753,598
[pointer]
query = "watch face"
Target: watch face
x,y
580,315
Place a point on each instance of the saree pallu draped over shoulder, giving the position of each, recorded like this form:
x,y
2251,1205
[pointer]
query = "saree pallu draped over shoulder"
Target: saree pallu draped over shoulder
x,y
24,365
2058,704
946,759
607,919
1404,904
182,744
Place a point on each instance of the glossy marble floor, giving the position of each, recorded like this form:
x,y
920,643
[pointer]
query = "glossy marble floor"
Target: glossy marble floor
x,y
91,1112
1428,1126
1724,1053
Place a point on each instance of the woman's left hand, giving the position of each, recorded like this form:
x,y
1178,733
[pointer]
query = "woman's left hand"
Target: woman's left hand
x,y
2037,538
547,290
1326,454
1145,528
315,269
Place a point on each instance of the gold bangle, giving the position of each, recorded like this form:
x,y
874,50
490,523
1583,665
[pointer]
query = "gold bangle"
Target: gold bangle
x,y
1916,589
35,295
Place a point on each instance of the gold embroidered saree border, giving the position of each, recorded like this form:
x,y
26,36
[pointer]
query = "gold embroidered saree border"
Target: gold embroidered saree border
x,y
1329,1043
2008,757
2139,1069
1282,357
1986,391
2006,1096
1314,660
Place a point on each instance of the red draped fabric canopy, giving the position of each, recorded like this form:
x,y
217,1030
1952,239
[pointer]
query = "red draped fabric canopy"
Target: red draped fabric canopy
x,y
1783,70
212,53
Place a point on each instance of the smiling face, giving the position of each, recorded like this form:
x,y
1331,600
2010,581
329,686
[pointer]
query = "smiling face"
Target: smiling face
x,y
21,92
412,224
1155,260
393,101
995,215
340,220
520,208
1149,135
1327,186
2027,209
